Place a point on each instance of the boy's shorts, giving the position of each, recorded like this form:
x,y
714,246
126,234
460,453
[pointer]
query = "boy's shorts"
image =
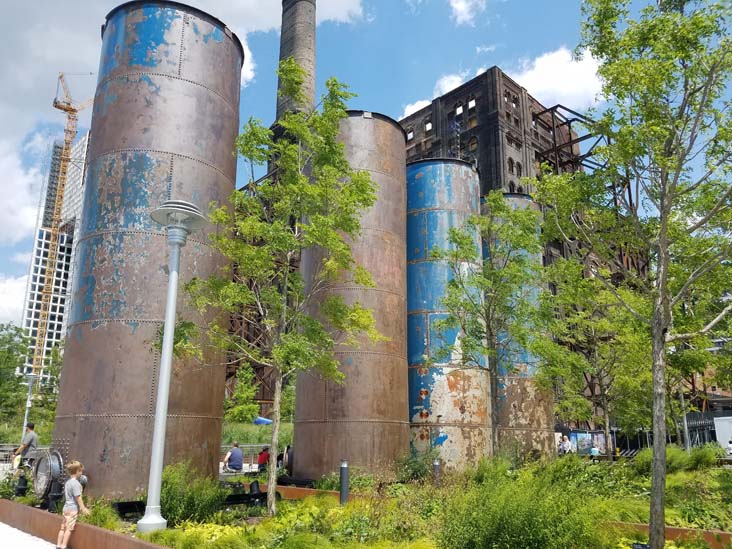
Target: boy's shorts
x,y
69,520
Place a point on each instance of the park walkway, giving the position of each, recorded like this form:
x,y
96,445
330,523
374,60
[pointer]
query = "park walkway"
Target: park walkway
x,y
15,539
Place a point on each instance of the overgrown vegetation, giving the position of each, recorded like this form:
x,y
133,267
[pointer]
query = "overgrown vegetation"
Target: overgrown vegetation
x,y
565,503
246,433
102,515
186,496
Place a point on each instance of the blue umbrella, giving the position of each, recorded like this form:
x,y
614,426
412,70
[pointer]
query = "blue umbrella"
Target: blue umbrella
x,y
262,421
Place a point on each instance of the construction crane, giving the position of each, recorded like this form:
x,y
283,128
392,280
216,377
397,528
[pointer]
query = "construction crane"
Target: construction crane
x,y
66,104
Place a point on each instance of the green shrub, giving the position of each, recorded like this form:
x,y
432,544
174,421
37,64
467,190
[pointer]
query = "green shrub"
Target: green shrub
x,y
415,467
492,470
306,541
677,459
247,433
185,495
7,487
101,515
200,536
643,462
526,512
705,457
724,478
359,481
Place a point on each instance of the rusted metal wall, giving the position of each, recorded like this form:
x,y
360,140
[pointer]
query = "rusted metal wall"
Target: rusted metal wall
x,y
166,114
297,40
366,418
524,413
449,404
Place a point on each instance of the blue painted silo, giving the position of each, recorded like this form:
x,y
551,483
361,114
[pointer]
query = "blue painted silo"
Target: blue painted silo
x,y
449,403
524,414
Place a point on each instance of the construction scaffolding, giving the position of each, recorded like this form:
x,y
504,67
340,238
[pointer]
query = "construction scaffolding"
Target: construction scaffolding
x,y
67,105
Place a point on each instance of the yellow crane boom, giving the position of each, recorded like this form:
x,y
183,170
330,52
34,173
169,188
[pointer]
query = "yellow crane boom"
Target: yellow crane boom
x,y
72,109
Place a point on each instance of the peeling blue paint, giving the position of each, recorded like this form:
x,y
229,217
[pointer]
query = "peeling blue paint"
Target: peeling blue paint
x,y
112,45
82,306
440,440
150,32
440,196
216,34
154,88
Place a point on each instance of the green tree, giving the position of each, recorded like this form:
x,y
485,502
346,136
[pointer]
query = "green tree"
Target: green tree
x,y
241,406
288,400
44,405
13,349
657,217
310,199
492,292
594,352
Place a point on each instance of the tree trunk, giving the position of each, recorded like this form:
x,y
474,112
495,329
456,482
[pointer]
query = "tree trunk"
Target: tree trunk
x,y
609,446
658,481
676,418
492,362
273,446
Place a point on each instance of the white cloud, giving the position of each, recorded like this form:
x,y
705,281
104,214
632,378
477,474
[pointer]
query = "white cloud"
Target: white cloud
x,y
464,12
448,82
490,48
444,84
53,38
554,77
12,296
340,11
248,69
20,189
414,107
481,70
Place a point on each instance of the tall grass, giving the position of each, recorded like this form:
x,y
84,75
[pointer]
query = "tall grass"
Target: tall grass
x,y
246,433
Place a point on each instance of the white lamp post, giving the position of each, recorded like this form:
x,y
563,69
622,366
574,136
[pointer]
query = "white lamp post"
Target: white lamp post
x,y
179,218
31,379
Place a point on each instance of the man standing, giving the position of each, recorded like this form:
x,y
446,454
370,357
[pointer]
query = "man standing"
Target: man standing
x,y
234,458
29,443
262,459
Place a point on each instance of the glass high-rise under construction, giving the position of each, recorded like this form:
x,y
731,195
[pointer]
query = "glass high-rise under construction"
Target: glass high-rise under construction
x,y
62,271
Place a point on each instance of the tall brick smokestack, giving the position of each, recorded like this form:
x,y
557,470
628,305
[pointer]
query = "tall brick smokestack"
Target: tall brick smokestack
x,y
297,40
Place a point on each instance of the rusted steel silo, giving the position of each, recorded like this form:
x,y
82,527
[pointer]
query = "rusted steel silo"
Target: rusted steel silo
x,y
449,399
166,114
365,419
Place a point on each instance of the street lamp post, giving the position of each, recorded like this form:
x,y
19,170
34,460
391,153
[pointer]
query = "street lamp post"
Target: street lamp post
x,y
179,218
31,379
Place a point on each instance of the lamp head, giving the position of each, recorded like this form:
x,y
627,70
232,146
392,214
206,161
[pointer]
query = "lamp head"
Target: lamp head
x,y
179,213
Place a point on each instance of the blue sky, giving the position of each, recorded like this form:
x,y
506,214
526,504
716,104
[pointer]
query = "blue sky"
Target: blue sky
x,y
395,54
